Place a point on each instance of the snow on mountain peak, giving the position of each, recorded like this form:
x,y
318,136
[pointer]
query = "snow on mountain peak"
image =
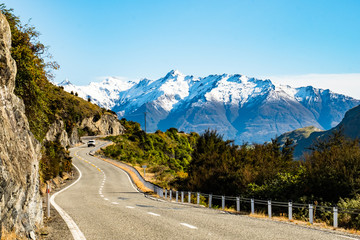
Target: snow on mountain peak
x,y
65,82
237,89
173,73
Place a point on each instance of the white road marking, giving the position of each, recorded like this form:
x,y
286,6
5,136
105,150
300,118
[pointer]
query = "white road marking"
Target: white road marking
x,y
114,203
101,195
154,214
188,225
106,199
346,237
127,174
74,229
131,207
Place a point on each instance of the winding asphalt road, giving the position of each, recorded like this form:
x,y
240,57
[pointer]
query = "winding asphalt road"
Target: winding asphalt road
x,y
105,205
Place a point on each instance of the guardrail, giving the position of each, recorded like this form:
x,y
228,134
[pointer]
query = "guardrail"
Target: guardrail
x,y
251,203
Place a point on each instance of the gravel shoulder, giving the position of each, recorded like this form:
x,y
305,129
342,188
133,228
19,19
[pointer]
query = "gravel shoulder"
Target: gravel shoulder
x,y
55,227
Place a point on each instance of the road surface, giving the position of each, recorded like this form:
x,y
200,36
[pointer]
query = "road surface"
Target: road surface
x,y
105,205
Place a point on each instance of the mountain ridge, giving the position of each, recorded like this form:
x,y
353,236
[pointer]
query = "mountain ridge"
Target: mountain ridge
x,y
240,107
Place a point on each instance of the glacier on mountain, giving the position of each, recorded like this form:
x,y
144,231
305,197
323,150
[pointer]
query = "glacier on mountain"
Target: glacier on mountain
x,y
239,107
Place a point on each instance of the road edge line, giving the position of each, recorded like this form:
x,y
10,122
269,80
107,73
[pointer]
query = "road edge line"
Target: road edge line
x,y
74,229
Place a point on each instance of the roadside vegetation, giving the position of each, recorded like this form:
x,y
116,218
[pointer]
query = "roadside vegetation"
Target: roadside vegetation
x,y
167,155
328,176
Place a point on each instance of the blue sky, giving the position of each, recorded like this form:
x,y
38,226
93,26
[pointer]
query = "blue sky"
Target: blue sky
x,y
284,40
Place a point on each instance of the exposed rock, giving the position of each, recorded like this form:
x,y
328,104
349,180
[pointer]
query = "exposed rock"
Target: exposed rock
x,y
106,125
20,202
57,131
7,64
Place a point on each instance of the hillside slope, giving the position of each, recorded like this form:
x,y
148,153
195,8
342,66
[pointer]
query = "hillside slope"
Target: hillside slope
x,y
349,125
56,118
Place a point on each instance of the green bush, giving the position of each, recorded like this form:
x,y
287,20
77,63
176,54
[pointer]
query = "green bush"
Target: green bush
x,y
349,220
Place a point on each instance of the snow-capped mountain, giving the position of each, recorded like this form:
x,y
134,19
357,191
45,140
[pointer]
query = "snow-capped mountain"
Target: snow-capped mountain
x,y
239,107
104,94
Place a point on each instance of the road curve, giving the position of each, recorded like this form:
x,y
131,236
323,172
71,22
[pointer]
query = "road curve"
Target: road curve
x,y
105,205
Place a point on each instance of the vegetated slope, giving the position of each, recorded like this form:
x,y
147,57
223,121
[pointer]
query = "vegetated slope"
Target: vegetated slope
x,y
166,154
300,138
349,126
56,118
240,108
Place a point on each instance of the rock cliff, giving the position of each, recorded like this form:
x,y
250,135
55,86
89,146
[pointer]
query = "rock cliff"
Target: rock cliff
x,y
107,124
20,202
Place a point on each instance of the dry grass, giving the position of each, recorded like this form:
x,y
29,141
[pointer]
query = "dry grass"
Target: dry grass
x,y
150,177
321,225
10,235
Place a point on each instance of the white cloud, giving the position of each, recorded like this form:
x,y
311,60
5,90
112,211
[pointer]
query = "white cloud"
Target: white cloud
x,y
347,84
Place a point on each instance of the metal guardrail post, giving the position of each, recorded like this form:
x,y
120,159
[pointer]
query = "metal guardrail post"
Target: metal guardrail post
x,y
170,194
311,213
210,200
165,194
189,197
223,202
290,210
252,206
182,196
335,223
238,204
177,196
161,192
198,199
269,208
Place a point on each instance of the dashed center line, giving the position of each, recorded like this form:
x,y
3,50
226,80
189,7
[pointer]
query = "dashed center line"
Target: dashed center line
x,y
114,203
154,214
131,207
106,199
188,225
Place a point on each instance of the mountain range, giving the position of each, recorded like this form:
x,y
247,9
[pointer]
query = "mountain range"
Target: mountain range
x,y
238,107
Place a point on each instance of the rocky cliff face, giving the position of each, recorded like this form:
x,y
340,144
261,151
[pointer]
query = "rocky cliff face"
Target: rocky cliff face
x,y
20,202
107,124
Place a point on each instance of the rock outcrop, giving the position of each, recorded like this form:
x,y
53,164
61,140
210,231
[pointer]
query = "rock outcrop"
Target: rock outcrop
x,y
107,124
20,202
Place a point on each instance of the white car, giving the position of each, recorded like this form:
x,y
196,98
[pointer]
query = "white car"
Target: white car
x,y
91,143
